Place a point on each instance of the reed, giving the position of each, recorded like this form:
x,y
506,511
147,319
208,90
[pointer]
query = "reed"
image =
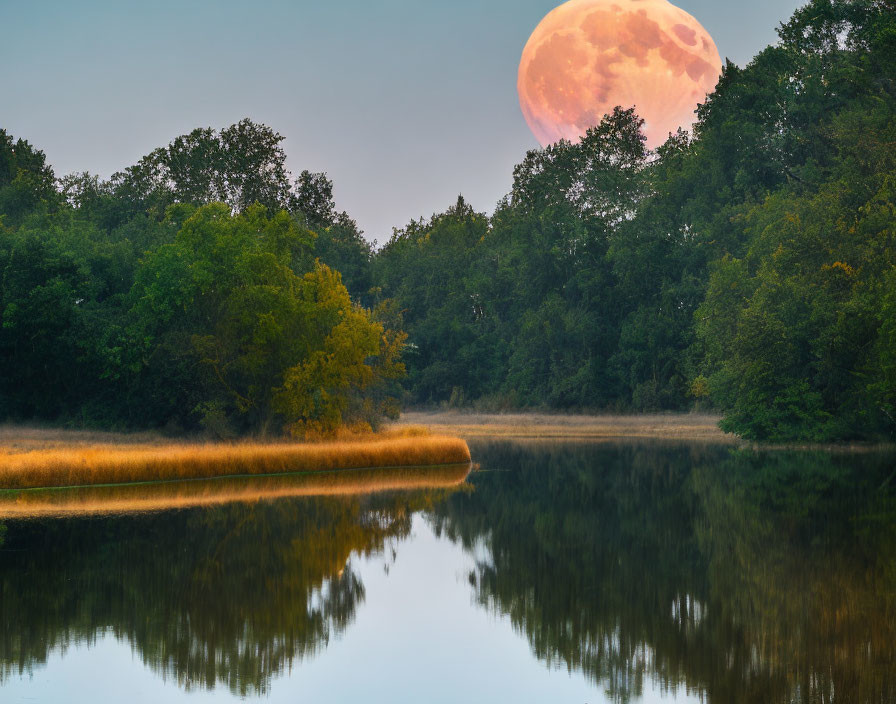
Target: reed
x,y
127,463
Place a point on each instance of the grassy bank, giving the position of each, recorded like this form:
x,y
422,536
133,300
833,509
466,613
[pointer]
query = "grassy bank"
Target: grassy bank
x,y
691,427
32,465
132,498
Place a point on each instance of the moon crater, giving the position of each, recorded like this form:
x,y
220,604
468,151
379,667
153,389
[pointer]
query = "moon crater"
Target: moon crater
x,y
588,56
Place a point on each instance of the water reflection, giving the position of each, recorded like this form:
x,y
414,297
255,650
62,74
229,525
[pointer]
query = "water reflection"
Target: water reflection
x,y
232,595
741,576
732,575
160,496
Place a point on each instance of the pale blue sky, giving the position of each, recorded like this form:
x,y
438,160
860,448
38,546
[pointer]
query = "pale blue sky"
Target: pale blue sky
x,y
404,104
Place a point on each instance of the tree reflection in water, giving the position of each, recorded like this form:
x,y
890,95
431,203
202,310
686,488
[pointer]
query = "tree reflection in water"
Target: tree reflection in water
x,y
740,576
232,595
734,575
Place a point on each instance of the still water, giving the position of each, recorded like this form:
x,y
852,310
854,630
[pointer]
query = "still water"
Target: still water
x,y
556,572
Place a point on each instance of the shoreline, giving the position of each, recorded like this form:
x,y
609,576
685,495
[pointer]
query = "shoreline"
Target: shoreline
x,y
675,428
469,425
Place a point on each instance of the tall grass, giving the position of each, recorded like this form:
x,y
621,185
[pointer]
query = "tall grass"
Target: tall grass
x,y
131,498
124,463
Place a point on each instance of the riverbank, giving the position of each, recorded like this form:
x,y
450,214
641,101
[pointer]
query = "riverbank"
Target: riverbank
x,y
35,458
695,427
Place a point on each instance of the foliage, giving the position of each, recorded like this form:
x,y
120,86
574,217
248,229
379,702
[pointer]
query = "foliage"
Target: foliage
x,y
172,309
749,265
424,269
26,181
512,305
796,331
240,165
269,338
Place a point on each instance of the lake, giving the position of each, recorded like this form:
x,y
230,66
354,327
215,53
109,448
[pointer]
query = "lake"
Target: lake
x,y
556,572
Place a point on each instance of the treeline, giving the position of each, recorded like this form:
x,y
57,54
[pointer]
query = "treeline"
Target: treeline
x,y
749,267
195,289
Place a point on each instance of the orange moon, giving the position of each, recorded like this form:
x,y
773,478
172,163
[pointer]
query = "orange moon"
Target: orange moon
x,y
588,56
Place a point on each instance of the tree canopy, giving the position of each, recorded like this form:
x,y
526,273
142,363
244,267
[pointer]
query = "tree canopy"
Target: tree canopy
x,y
749,267
189,291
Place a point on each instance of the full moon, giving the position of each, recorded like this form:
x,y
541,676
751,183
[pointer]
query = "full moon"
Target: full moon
x,y
588,56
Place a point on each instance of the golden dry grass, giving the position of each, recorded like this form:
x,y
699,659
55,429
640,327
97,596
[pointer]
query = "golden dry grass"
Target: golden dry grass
x,y
690,427
30,465
133,498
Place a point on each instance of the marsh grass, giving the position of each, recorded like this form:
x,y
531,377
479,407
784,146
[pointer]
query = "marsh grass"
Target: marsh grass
x,y
120,463
690,427
160,496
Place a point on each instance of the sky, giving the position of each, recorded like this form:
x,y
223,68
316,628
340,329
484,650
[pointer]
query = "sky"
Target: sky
x,y
403,104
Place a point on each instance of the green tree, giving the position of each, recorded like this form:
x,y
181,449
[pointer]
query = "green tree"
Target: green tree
x,y
794,337
271,339
425,268
240,165
26,180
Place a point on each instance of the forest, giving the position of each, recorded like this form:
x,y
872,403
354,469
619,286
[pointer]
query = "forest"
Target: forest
x,y
748,267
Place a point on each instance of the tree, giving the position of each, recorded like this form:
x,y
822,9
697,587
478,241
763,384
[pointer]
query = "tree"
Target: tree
x,y
273,339
794,335
240,165
424,267
26,180
313,197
